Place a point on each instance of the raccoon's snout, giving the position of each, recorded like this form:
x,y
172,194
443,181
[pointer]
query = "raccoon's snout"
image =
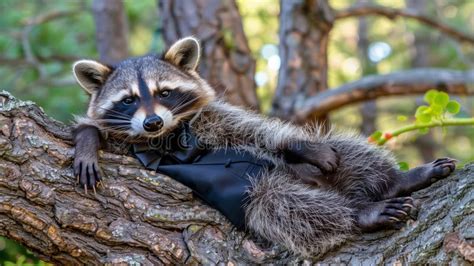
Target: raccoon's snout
x,y
153,123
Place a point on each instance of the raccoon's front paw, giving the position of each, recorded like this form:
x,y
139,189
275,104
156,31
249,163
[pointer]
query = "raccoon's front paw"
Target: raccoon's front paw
x,y
87,172
325,157
321,155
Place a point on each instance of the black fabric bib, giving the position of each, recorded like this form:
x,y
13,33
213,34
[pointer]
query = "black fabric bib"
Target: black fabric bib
x,y
220,177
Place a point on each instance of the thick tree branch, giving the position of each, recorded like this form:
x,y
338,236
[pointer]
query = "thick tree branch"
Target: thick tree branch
x,y
392,13
143,217
408,82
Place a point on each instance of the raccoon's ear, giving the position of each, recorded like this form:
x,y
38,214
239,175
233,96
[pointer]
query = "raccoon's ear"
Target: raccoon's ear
x,y
91,75
184,53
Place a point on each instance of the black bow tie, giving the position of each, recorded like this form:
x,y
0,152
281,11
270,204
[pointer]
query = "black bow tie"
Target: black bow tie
x,y
181,146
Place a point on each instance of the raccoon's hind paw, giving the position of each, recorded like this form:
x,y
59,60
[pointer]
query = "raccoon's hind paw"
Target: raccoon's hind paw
x,y
88,173
423,176
442,168
321,155
387,214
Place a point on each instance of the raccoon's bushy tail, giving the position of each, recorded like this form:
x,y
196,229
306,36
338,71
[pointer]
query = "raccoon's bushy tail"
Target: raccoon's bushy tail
x,y
306,220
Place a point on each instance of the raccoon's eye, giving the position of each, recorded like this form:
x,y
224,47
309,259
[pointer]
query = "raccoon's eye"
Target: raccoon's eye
x,y
165,93
128,100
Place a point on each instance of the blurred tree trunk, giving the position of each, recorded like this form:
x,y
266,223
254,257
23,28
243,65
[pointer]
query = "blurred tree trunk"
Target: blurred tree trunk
x,y
304,34
111,30
368,110
425,144
226,62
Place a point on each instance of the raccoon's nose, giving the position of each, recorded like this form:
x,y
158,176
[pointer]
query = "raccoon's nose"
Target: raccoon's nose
x,y
153,123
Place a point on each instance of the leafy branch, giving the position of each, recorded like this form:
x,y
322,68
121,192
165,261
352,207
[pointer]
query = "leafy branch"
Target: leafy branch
x,y
438,113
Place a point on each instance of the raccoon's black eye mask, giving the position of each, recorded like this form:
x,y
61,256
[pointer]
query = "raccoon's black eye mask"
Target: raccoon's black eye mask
x,y
128,100
164,93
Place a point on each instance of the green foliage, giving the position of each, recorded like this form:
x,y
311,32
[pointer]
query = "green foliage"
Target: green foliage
x,y
13,254
439,105
403,166
376,136
402,118
436,114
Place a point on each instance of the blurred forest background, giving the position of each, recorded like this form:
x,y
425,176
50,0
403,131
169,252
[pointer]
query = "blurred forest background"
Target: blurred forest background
x,y
40,39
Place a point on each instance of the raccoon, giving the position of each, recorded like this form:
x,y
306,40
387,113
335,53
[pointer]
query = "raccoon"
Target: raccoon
x,y
311,190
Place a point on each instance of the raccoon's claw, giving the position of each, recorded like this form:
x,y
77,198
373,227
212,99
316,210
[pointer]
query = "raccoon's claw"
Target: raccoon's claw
x,y
442,168
87,173
387,214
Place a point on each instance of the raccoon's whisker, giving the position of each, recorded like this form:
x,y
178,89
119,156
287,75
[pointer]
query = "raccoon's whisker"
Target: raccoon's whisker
x,y
116,130
115,112
180,107
113,115
183,99
121,119
186,113
114,122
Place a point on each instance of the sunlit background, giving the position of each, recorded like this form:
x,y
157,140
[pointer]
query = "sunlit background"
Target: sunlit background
x,y
59,42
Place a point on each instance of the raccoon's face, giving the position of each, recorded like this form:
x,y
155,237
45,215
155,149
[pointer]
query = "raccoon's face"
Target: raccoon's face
x,y
145,96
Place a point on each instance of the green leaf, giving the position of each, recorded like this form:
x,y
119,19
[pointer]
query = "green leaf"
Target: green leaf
x,y
422,110
436,110
424,130
402,118
20,260
430,95
453,107
423,114
423,118
441,99
403,166
376,135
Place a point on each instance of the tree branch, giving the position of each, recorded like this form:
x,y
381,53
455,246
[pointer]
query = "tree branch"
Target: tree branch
x,y
53,15
147,218
407,82
15,62
393,13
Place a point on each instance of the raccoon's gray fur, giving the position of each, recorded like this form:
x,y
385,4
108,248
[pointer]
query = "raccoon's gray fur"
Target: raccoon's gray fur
x,y
324,187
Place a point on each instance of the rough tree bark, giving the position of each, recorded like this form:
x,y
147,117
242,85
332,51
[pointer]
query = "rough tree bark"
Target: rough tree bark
x,y
226,60
111,30
304,34
144,217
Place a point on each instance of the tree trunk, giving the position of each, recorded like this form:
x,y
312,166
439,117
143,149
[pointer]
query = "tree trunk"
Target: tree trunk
x,y
144,217
111,30
226,59
304,33
368,110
